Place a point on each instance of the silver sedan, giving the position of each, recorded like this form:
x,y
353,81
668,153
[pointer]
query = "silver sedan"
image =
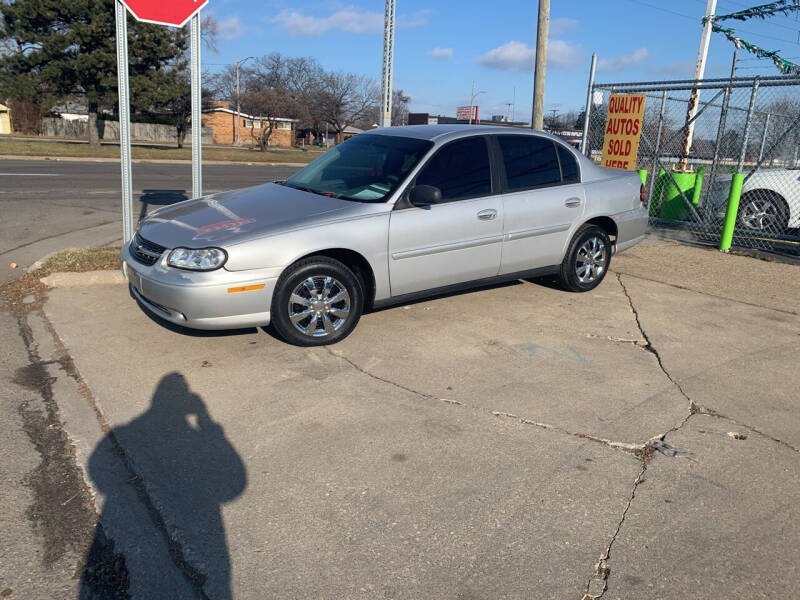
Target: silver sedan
x,y
387,216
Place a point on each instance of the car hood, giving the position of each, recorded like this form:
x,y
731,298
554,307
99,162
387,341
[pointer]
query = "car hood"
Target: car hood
x,y
233,217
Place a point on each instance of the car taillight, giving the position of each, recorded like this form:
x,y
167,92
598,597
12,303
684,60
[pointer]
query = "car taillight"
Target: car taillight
x,y
643,196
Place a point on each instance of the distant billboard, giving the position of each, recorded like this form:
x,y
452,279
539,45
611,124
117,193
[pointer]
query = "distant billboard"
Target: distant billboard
x,y
467,113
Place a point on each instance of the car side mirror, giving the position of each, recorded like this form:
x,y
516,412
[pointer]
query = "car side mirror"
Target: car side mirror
x,y
425,195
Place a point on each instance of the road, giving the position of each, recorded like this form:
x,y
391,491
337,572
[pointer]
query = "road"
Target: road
x,y
47,205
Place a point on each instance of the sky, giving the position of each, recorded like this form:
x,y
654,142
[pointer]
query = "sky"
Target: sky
x,y
442,47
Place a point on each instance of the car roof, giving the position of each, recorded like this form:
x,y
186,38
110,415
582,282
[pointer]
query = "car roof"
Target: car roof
x,y
439,133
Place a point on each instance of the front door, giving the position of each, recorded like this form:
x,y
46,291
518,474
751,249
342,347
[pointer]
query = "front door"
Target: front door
x,y
457,240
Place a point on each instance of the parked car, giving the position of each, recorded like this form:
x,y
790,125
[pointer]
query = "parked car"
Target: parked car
x,y
387,216
770,200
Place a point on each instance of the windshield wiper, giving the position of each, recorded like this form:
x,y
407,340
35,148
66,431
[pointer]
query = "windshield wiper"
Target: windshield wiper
x,y
312,191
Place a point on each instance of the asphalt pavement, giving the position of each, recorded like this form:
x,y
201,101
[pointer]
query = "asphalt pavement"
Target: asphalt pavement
x,y
47,205
638,441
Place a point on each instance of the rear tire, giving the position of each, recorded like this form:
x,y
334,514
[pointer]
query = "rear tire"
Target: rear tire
x,y
587,259
317,301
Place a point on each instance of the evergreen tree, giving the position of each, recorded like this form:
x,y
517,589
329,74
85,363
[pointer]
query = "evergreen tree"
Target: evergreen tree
x,y
56,49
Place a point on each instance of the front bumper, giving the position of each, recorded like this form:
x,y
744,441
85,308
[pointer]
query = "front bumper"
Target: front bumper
x,y
201,300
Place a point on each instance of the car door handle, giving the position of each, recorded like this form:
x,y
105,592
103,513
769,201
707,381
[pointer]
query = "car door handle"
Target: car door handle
x,y
487,215
572,202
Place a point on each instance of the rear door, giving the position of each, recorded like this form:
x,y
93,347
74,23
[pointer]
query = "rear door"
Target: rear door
x,y
542,199
457,240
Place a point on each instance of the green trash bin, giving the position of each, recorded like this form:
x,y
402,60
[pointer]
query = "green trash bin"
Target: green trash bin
x,y
673,206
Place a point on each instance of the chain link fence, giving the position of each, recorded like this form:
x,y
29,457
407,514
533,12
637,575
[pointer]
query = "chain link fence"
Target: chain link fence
x,y
740,125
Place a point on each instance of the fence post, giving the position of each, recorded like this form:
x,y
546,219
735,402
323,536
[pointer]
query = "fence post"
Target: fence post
x,y
588,110
764,138
657,149
747,123
723,116
731,212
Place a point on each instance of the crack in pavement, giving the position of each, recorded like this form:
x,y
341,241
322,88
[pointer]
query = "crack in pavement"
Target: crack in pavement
x,y
635,449
710,412
709,294
598,584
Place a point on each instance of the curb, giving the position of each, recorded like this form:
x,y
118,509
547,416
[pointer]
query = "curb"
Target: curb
x,y
66,280
164,161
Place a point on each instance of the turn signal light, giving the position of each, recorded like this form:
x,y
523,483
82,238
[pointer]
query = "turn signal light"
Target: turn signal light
x,y
643,196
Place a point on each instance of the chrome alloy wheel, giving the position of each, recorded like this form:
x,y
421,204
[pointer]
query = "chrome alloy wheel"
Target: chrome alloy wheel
x,y
319,306
591,260
761,214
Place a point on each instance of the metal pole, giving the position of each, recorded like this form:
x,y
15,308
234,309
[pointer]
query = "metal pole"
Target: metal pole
x,y
471,101
124,120
731,212
587,113
238,141
764,138
388,60
540,66
699,72
753,96
197,119
657,148
723,116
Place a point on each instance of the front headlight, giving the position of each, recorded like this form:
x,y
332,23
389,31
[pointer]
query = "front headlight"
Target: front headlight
x,y
197,259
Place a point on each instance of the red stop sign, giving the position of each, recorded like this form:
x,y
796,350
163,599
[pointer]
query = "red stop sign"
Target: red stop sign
x,y
165,12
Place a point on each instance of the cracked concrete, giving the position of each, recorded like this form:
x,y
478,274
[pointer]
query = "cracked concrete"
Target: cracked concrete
x,y
493,444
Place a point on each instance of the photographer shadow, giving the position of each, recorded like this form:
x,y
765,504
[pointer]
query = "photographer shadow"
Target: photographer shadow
x,y
164,476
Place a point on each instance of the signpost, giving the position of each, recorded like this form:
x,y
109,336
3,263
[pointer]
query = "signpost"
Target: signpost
x,y
173,13
623,130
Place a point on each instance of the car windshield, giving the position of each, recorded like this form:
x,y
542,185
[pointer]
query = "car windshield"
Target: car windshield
x,y
365,168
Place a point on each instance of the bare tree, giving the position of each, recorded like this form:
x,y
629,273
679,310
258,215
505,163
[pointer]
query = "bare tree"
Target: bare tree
x,y
269,105
346,98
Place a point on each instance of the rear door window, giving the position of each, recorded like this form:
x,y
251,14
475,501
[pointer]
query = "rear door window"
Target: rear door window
x,y
460,170
530,161
569,166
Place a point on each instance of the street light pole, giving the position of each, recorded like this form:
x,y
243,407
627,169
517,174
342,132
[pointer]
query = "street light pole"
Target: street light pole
x,y
473,94
238,141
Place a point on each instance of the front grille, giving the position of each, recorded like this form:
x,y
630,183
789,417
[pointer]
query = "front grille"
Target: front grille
x,y
145,251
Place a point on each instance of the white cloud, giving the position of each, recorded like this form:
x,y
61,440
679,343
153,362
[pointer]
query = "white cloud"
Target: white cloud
x,y
562,25
348,19
518,56
418,19
441,53
563,55
636,57
230,29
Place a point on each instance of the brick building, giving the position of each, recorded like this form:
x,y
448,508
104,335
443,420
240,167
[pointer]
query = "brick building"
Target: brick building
x,y
222,121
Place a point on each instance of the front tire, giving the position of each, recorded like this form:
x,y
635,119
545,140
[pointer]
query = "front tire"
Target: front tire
x,y
587,259
317,301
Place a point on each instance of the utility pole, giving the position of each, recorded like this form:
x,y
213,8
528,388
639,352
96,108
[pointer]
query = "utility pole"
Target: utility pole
x,y
540,67
699,73
388,60
238,141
